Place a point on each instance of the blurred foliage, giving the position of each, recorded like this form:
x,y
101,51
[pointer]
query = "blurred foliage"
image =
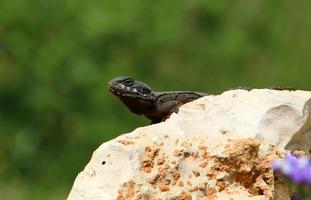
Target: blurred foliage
x,y
56,58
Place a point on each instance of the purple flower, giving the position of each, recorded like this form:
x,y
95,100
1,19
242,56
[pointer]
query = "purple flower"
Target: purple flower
x,y
296,169
296,197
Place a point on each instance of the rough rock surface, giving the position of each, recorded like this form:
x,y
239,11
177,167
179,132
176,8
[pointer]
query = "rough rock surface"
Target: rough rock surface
x,y
218,147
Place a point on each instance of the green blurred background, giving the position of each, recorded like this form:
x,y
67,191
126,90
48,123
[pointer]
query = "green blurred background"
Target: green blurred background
x,y
56,58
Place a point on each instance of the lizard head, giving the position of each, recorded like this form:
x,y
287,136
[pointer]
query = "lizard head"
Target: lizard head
x,y
134,94
122,86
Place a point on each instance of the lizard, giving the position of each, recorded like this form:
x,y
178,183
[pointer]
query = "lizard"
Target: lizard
x,y
142,100
157,106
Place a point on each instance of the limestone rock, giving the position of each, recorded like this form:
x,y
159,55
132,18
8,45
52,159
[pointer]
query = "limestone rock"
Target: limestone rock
x,y
217,147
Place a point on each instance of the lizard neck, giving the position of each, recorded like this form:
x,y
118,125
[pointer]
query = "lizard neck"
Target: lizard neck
x,y
139,104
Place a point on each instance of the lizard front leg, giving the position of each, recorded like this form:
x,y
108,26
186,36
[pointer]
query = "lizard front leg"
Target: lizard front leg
x,y
166,108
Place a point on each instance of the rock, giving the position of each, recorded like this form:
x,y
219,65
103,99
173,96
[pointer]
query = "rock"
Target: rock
x,y
217,147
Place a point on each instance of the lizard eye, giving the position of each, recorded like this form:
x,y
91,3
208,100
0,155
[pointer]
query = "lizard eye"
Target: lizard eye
x,y
128,82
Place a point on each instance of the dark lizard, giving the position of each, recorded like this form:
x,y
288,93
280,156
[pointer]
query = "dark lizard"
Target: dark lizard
x,y
142,100
157,106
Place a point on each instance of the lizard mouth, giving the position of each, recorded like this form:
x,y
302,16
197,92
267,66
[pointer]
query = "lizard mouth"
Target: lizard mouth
x,y
122,93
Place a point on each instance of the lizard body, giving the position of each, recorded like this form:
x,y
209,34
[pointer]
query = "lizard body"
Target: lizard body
x,y
142,100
